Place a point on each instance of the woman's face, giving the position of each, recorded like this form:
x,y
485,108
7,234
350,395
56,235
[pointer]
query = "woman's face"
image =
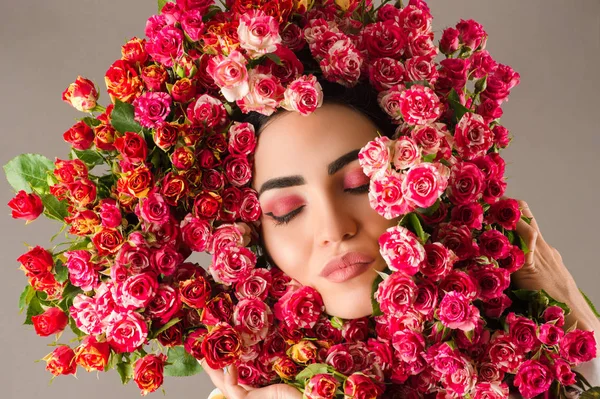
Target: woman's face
x,y
313,194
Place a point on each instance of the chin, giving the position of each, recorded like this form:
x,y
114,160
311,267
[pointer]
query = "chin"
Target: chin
x,y
349,302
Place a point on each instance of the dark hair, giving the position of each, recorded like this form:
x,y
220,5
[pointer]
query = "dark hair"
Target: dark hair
x,y
362,98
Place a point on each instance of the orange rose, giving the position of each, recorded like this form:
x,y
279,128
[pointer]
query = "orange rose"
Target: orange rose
x,y
123,82
148,373
91,354
107,241
139,181
83,223
304,352
134,51
285,368
61,361
81,94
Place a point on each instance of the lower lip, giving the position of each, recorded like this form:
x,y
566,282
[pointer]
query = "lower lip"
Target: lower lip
x,y
345,274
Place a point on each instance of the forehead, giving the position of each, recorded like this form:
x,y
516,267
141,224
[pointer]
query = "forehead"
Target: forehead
x,y
292,144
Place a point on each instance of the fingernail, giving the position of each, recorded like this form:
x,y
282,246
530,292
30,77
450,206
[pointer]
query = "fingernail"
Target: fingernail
x,y
226,369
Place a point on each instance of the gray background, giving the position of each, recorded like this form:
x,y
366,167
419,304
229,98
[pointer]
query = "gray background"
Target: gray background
x,y
554,45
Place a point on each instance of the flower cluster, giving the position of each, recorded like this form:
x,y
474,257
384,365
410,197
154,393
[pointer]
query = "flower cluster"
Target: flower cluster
x,y
177,160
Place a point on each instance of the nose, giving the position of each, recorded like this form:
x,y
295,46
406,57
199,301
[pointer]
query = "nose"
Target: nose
x,y
335,221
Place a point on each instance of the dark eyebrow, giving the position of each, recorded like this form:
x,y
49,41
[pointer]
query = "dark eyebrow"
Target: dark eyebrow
x,y
297,180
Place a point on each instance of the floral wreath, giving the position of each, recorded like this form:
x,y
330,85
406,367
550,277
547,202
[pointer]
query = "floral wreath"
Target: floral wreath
x,y
177,159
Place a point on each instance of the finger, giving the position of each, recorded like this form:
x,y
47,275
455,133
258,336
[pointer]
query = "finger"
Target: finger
x,y
529,235
234,390
216,376
526,211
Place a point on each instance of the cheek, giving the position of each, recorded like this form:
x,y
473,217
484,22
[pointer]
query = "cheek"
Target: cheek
x,y
287,248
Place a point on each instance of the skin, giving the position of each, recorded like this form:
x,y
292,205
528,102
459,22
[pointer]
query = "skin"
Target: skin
x,y
333,221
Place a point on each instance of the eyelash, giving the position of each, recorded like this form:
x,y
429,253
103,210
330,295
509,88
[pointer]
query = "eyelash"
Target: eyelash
x,y
285,219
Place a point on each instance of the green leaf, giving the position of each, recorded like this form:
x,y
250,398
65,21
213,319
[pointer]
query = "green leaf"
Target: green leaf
x,y
83,244
182,364
431,210
125,370
581,381
589,302
310,371
161,4
74,328
410,84
113,360
523,245
336,322
53,208
481,84
89,157
413,223
122,118
91,122
27,171
592,393
429,157
34,309
275,58
26,296
459,109
171,323
61,271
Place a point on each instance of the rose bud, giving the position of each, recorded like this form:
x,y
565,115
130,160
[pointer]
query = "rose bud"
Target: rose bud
x,y
148,373
81,94
52,321
61,361
37,262
91,354
26,206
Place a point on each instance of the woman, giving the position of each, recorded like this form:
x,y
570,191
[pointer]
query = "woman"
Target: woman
x,y
318,227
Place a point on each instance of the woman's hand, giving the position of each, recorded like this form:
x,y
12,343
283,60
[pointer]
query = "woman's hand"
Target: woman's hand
x,y
544,269
228,384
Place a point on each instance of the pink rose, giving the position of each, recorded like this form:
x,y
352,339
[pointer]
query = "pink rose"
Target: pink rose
x,y
82,272
505,212
207,110
200,5
232,264
396,294
457,312
321,386
136,291
421,68
342,63
339,357
303,95
258,33
416,18
230,74
407,153
429,137
453,74
253,319
391,101
501,136
513,261
458,239
81,94
471,34
472,136
466,183
420,105
265,95
257,285
26,206
376,155
438,262
494,244
495,307
110,213
550,334
563,372
578,346
385,73
554,314
533,378
482,64
225,234
423,184
469,215
385,195
422,46
504,353
237,170
241,138
300,308
523,332
166,259
152,108
126,331
165,304
250,210
153,209
154,24
408,345
491,390
401,250
85,315
196,233
166,46
492,281
449,42
191,22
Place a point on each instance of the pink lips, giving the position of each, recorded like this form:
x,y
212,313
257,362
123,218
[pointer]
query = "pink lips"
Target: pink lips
x,y
346,266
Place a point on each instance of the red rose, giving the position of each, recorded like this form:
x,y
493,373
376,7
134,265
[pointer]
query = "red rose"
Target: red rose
x,y
82,192
207,205
132,147
133,51
154,77
172,336
222,346
300,308
249,209
183,90
496,306
165,303
80,136
37,262
578,346
449,42
81,94
218,309
165,135
196,233
472,34
533,378
360,386
52,321
438,261
237,170
61,361
193,343
523,332
148,372
421,68
321,386
26,206
501,136
107,241
458,239
69,171
491,280
173,188
494,244
469,215
386,72
505,212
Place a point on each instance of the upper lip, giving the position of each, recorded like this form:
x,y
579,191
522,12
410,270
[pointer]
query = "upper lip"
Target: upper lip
x,y
344,260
